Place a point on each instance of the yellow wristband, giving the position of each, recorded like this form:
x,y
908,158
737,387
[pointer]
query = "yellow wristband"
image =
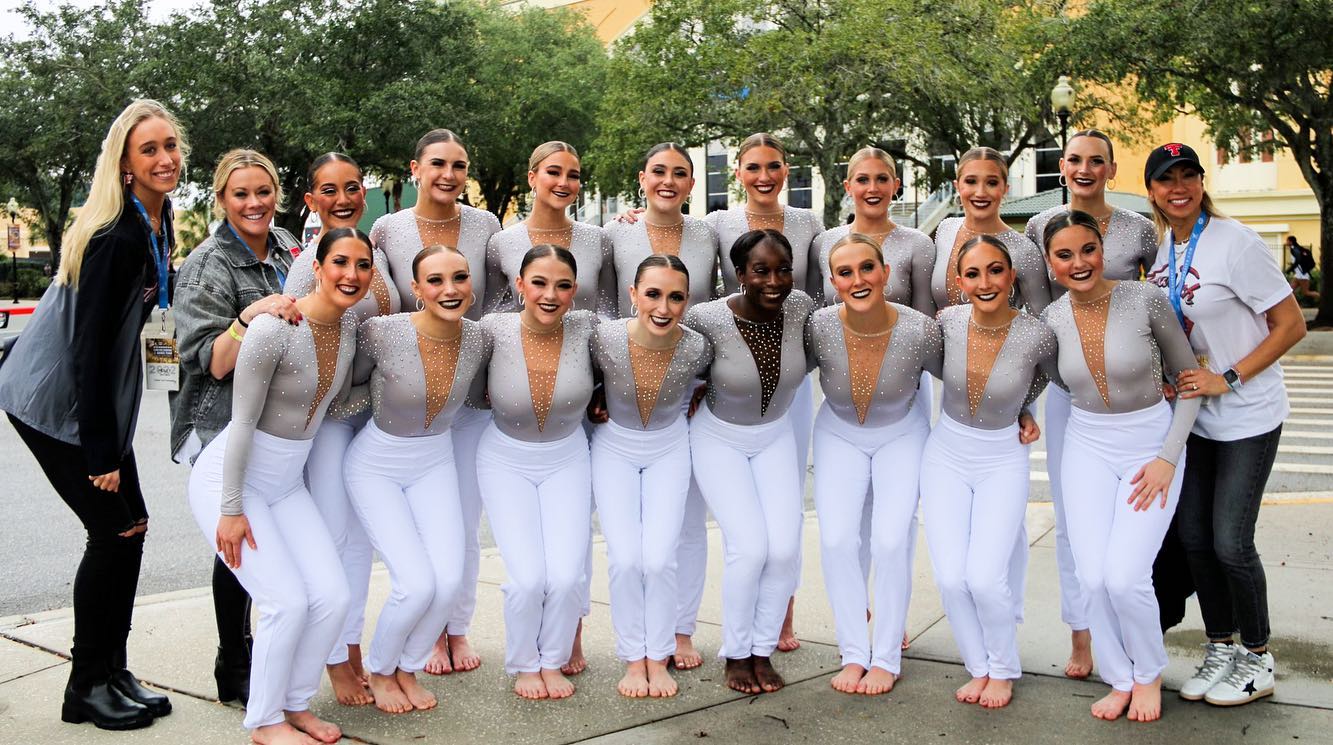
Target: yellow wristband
x,y
231,329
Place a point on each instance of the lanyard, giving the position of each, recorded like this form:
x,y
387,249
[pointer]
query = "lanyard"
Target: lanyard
x,y
282,278
160,257
1176,280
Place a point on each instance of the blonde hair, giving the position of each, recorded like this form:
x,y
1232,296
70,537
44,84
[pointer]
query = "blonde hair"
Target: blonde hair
x,y
233,161
983,153
867,153
106,196
858,238
761,139
546,150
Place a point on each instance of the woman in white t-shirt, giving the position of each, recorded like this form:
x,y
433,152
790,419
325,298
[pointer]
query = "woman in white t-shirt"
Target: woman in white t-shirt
x,y
1240,316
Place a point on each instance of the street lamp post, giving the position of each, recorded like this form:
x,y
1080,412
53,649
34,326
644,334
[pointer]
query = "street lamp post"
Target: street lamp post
x,y
1062,100
13,209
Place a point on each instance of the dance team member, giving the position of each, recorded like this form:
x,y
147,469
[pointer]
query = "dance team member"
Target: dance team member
x,y
72,385
234,276
248,496
439,166
555,177
666,181
742,448
338,197
1241,317
533,467
974,471
641,465
1123,449
870,353
1129,245
400,468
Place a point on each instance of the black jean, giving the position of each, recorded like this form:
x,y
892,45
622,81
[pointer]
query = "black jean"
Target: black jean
x,y
1219,506
108,575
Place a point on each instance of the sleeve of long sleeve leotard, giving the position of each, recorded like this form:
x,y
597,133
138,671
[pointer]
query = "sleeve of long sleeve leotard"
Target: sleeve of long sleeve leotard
x,y
260,353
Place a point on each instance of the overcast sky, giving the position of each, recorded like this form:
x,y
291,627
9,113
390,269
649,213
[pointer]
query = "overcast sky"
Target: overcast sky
x,y
9,20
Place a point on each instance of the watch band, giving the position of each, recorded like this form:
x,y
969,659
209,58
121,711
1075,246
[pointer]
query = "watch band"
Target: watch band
x,y
1233,379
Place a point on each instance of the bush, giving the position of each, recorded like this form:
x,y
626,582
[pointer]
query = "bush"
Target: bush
x,y
31,283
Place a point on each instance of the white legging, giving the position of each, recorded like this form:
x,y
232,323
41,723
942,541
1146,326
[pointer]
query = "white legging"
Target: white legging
x,y
1073,606
691,551
537,497
745,473
466,430
974,490
639,480
293,574
405,492
848,459
324,476
1115,546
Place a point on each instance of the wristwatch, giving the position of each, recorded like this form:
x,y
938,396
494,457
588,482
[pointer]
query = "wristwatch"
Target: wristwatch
x,y
1233,379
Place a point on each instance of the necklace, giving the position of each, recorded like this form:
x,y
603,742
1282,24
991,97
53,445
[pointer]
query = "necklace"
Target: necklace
x,y
557,327
864,335
439,338
445,221
1093,301
984,327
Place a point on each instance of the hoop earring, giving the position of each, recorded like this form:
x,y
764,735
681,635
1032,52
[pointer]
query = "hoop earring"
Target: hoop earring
x,y
520,300
1063,181
633,310
474,300
421,304
1012,290
642,193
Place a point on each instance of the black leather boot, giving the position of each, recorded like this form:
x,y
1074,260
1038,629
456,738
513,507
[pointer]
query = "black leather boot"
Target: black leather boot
x,y
105,707
124,681
233,678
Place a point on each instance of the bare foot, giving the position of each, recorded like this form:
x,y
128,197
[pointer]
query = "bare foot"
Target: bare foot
x,y
635,682
686,656
439,662
312,725
1113,705
847,680
876,682
970,693
556,684
389,696
769,679
460,651
997,693
1080,655
577,662
280,734
787,641
530,685
1145,701
740,676
354,659
660,682
419,697
907,643
347,685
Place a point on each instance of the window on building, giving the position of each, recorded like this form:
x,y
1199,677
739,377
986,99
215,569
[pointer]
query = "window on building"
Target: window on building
x,y
1244,142
1047,160
717,181
799,191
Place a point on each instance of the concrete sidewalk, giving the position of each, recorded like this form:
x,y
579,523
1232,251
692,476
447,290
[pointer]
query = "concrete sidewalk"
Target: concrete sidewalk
x,y
173,642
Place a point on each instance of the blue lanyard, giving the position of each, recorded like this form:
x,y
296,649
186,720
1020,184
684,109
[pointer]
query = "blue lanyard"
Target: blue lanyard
x,y
282,277
1176,280
160,257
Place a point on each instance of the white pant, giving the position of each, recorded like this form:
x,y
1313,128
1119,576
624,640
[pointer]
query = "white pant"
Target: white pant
x,y
639,480
405,492
466,431
293,574
974,489
691,559
1114,546
1073,606
744,472
848,459
538,497
324,477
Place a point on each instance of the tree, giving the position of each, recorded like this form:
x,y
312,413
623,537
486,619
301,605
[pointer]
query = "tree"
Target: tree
x,y
916,77
1242,67
63,86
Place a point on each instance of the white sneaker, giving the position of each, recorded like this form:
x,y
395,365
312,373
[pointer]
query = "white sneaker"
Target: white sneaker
x,y
1251,677
1218,661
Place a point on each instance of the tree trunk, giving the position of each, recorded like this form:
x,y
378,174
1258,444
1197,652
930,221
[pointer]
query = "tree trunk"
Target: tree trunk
x,y
1324,318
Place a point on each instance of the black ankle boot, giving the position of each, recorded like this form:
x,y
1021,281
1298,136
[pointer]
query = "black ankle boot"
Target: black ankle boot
x,y
233,678
105,707
124,681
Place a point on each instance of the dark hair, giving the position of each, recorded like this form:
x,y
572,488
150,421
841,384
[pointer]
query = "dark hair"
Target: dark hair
x,y
326,159
543,250
433,137
977,240
1096,134
333,236
760,139
662,147
430,251
666,261
1070,219
740,250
